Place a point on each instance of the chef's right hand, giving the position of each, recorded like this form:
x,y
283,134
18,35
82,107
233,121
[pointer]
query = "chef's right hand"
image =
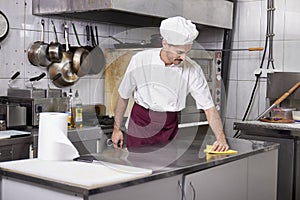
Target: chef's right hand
x,y
117,138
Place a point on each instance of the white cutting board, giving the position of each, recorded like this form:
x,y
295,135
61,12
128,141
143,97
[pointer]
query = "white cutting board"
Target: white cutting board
x,y
8,133
80,174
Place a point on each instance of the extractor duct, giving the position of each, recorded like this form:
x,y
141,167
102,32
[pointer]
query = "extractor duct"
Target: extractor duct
x,y
214,13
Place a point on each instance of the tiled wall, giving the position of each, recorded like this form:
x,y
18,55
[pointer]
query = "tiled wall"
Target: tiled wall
x,y
250,29
25,28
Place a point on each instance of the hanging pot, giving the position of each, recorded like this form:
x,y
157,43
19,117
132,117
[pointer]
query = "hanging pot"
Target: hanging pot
x,y
64,67
79,55
4,26
54,50
37,52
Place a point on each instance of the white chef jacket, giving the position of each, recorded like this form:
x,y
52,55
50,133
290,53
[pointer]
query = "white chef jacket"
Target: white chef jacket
x,y
159,88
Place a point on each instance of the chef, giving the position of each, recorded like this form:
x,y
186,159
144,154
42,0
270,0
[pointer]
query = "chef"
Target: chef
x,y
160,80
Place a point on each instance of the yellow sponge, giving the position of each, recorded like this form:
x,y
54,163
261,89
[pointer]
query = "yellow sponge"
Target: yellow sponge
x,y
209,150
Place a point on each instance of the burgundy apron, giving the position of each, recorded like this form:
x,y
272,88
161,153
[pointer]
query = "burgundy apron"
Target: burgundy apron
x,y
148,127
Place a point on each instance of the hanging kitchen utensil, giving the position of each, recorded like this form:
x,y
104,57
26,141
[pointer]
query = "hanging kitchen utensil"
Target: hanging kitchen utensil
x,y
94,62
54,50
4,26
37,52
97,37
92,37
279,100
98,58
64,67
76,35
88,36
79,55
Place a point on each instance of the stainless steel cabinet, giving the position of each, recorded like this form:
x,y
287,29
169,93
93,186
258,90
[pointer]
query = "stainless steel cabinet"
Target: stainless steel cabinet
x,y
252,178
226,182
15,148
166,189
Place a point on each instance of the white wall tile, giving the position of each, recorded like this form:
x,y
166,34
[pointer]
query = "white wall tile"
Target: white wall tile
x,y
14,11
291,56
292,25
11,56
246,68
232,70
231,100
278,53
293,6
248,61
235,54
244,90
83,88
249,22
97,91
262,106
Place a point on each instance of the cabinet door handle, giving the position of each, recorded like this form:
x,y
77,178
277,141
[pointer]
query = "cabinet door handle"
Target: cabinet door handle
x,y
182,191
193,189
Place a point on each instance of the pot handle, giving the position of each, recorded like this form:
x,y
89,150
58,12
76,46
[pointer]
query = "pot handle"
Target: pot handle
x,y
43,26
66,32
15,75
13,78
37,78
42,75
54,29
33,79
57,76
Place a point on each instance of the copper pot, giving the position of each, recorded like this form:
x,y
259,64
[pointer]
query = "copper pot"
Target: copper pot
x,y
64,67
79,55
54,50
37,52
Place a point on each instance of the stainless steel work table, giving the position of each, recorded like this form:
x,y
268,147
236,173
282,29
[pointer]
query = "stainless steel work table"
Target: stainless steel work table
x,y
288,136
182,157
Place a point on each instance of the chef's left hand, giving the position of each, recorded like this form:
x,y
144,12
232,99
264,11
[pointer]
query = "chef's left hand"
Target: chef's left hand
x,y
220,145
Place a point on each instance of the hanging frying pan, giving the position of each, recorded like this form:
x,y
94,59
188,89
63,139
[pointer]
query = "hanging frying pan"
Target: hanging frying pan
x,y
4,26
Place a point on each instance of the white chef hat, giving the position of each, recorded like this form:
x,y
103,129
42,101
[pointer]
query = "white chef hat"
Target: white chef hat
x,y
178,31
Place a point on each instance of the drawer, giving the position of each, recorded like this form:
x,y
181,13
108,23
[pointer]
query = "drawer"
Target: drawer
x,y
6,153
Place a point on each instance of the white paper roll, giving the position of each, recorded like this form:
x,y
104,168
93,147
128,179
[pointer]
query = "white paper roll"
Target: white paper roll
x,y
53,143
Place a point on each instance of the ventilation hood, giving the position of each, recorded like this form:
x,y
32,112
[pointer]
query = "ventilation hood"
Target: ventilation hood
x,y
213,13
